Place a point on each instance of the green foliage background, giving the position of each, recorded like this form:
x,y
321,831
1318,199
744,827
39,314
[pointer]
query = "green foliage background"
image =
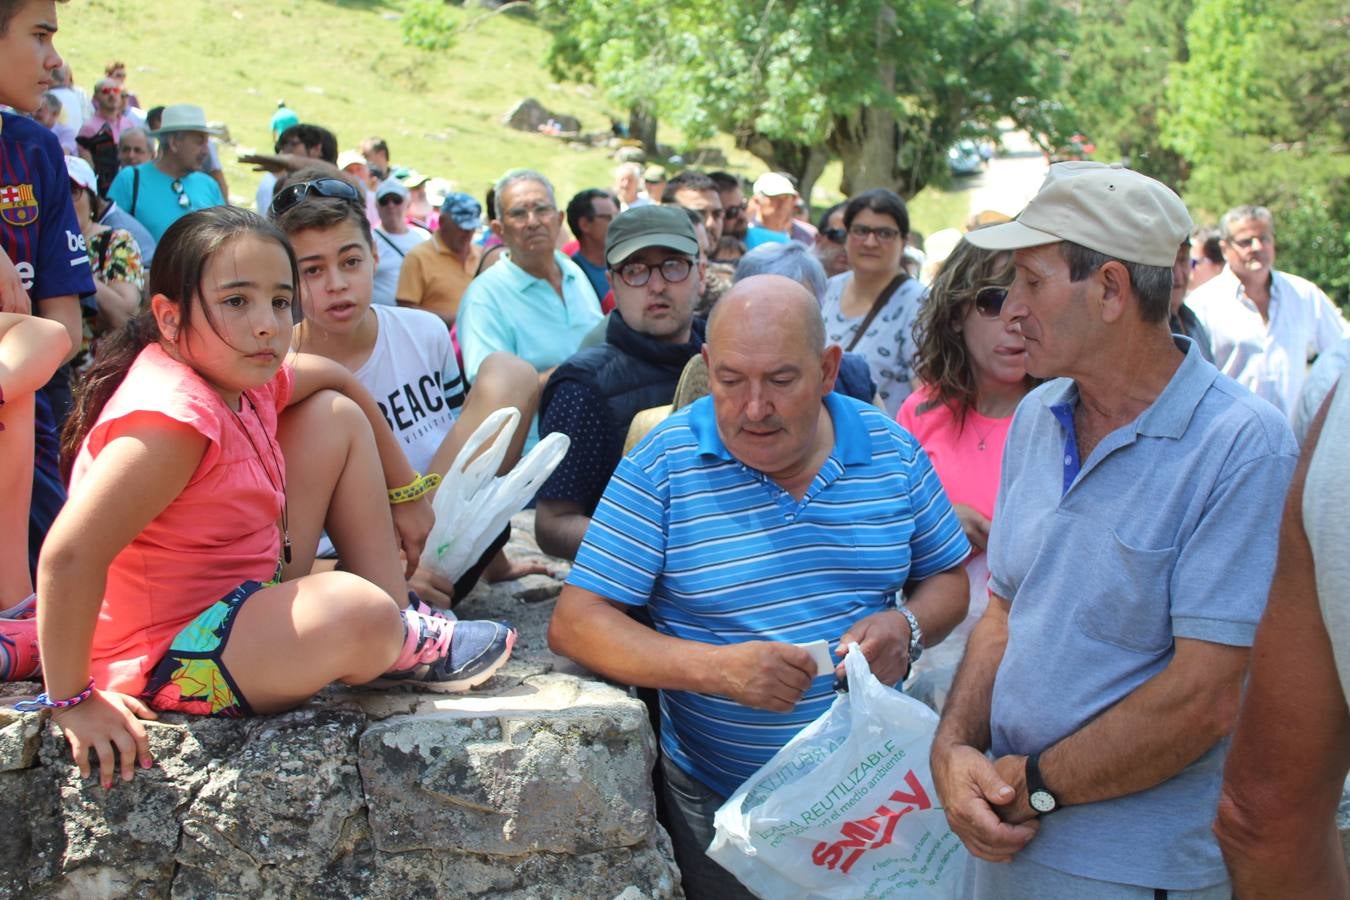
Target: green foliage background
x,y
1232,102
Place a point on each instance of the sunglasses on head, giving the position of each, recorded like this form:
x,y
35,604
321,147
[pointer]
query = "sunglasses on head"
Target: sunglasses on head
x,y
989,301
293,194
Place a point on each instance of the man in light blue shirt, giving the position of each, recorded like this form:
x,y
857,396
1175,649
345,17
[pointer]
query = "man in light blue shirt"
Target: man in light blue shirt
x,y
535,303
170,186
771,514
1130,558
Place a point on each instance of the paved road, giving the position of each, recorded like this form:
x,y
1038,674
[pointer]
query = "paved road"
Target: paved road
x,y
1011,179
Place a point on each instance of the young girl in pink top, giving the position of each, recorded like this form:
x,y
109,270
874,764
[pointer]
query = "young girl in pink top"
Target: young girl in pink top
x,y
173,578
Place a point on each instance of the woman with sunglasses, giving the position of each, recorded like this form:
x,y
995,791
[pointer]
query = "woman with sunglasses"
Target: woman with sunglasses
x,y
971,366
871,309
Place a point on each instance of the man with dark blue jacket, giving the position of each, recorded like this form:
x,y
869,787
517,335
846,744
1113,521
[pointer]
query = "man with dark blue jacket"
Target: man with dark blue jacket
x,y
652,256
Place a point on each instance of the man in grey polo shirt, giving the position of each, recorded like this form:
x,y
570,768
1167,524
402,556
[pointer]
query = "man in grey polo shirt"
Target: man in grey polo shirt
x,y
1130,560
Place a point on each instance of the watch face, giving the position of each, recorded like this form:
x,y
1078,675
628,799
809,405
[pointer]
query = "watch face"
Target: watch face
x,y
1042,801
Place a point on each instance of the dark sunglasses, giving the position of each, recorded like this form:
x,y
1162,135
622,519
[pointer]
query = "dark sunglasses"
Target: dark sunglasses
x,y
989,301
733,212
390,199
835,235
291,195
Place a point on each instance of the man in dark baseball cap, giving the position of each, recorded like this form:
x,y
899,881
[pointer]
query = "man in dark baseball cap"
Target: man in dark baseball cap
x,y
652,255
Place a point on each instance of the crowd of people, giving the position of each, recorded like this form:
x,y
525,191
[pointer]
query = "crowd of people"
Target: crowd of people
x,y
1029,473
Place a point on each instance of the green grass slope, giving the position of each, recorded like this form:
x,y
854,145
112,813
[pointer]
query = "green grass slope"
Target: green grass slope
x,y
343,64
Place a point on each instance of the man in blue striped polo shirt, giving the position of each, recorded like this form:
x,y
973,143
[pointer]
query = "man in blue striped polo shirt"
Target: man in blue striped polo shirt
x,y
771,514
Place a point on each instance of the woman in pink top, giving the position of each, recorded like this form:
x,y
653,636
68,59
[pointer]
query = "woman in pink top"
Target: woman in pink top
x,y
176,577
972,370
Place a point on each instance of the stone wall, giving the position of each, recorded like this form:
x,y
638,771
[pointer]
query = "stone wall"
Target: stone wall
x,y
534,785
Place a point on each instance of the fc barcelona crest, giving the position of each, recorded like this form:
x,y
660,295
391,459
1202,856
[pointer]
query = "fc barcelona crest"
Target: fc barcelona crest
x,y
18,206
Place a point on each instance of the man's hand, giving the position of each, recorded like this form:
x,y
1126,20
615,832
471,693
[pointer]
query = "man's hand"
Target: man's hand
x,y
13,298
883,638
1013,770
974,524
765,674
971,789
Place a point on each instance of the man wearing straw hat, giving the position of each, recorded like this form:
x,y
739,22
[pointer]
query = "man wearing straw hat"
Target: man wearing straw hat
x,y
171,185
1130,558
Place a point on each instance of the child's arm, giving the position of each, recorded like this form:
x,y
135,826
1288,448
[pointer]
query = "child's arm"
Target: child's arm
x,y
31,349
413,519
135,477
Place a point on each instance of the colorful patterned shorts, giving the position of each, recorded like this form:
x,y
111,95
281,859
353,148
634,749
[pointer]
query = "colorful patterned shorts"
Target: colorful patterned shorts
x,y
192,678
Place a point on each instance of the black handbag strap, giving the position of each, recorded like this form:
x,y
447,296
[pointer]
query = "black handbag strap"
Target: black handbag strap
x,y
135,188
877,304
389,242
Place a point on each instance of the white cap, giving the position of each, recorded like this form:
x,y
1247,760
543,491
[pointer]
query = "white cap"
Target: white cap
x,y
82,173
350,157
773,184
1110,209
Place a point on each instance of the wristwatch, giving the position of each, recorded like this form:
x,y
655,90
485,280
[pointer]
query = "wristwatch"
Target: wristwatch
x,y
915,634
1038,795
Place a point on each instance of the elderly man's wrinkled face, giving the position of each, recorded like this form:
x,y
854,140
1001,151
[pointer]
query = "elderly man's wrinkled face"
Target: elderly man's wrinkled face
x,y
767,379
1050,311
1250,249
528,221
188,149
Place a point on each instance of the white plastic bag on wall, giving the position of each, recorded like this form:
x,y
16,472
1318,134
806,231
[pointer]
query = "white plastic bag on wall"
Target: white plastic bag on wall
x,y
473,504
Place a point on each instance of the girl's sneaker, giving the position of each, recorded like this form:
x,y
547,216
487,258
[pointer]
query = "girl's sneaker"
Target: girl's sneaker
x,y
417,605
18,649
450,656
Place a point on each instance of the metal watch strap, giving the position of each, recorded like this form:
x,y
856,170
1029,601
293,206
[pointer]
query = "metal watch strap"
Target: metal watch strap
x,y
915,634
1047,802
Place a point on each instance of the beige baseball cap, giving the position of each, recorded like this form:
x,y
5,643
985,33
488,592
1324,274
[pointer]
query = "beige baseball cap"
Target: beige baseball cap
x,y
1110,209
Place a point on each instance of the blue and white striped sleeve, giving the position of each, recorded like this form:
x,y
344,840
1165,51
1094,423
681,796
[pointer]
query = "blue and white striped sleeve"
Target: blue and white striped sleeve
x,y
625,546
938,543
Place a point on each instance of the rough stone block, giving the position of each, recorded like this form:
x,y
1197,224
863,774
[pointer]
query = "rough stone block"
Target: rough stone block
x,y
557,766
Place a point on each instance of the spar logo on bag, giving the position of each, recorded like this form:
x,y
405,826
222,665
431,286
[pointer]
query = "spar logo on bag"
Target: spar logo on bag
x,y
875,831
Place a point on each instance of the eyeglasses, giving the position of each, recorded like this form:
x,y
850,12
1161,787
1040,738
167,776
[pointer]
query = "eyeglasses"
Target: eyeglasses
x,y
834,235
989,301
883,234
293,194
1246,243
390,200
734,212
673,271
523,213
183,199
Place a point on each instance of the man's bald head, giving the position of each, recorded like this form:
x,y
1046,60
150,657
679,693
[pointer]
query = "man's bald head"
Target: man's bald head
x,y
760,300
769,371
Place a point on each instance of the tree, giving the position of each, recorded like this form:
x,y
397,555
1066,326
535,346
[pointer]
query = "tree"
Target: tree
x,y
1271,125
887,87
1118,80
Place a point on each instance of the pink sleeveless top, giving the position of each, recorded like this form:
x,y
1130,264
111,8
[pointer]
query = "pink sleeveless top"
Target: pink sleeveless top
x,y
220,531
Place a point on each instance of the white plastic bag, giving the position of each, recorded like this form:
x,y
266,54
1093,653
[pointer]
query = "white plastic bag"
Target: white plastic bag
x,y
473,504
847,809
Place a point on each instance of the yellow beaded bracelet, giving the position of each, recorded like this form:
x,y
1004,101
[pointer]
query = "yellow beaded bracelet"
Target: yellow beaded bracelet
x,y
419,486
